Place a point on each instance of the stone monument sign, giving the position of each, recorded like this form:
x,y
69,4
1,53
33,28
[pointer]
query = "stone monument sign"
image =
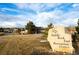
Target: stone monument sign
x,y
59,40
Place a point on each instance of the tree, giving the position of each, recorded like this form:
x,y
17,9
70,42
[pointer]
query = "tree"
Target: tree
x,y
75,38
77,28
78,22
18,31
1,30
30,27
50,25
47,29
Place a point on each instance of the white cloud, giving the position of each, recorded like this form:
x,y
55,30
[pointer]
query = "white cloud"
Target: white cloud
x,y
44,18
20,5
12,20
56,16
76,5
34,7
7,24
9,9
37,6
69,22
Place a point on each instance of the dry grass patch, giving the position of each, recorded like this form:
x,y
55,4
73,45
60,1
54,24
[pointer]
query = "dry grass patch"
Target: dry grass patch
x,y
22,44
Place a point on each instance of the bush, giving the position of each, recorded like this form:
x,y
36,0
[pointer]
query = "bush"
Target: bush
x,y
77,29
2,33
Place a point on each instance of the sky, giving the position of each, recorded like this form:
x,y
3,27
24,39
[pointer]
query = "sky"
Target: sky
x,y
42,14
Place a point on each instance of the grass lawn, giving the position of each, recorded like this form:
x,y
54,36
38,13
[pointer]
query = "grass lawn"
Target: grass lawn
x,y
23,45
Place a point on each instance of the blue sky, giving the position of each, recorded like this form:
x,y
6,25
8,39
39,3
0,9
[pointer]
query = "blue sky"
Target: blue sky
x,y
18,14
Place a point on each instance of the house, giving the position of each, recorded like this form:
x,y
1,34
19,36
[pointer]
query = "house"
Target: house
x,y
8,30
24,32
39,30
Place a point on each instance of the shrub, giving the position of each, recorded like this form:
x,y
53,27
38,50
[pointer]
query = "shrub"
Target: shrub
x,y
2,33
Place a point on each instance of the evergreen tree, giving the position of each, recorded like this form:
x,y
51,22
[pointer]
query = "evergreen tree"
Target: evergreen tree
x,y
77,28
75,38
30,27
1,30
